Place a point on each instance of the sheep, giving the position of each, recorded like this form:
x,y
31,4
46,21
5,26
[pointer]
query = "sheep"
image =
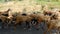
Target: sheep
x,y
22,19
53,23
42,18
3,19
38,18
50,25
6,17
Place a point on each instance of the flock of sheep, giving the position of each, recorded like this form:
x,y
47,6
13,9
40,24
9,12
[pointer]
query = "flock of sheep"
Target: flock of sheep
x,y
32,16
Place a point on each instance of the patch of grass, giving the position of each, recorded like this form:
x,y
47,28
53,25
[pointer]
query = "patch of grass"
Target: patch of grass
x,y
20,3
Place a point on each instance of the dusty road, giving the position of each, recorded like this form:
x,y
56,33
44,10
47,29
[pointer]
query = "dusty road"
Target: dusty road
x,y
20,30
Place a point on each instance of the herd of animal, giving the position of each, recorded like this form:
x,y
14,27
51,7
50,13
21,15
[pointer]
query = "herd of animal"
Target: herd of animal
x,y
51,18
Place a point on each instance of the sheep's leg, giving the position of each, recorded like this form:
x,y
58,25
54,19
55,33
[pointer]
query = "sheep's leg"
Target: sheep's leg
x,y
28,25
49,28
8,26
37,25
2,25
58,30
44,25
15,26
7,23
20,23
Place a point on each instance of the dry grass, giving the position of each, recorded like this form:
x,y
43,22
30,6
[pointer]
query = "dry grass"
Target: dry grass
x,y
20,6
29,5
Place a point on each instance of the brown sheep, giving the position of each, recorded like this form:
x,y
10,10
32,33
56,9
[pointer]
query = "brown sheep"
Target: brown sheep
x,y
42,18
53,23
38,18
22,19
5,17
